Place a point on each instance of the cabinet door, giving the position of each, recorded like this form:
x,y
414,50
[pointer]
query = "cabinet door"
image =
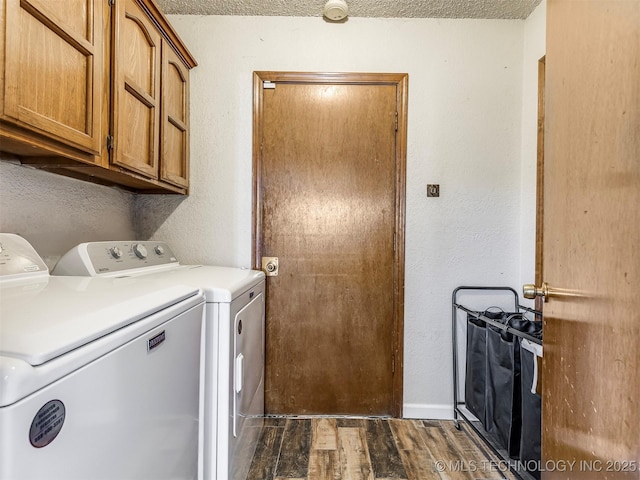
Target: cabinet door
x,y
174,160
52,73
136,90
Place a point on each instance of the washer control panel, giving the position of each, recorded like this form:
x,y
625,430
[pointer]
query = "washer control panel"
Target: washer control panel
x,y
104,258
18,259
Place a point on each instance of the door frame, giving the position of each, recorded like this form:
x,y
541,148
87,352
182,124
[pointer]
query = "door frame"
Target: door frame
x,y
401,82
539,275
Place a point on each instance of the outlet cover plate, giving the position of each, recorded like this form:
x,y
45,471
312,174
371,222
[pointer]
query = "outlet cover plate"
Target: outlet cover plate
x,y
433,190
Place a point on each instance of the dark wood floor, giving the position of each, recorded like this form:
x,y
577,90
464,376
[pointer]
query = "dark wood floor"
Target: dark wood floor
x,y
320,448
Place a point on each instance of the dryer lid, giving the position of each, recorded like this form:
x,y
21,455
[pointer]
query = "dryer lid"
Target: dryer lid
x,y
41,321
219,284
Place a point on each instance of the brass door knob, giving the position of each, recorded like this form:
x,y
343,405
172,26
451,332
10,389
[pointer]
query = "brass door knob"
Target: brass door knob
x,y
530,291
270,266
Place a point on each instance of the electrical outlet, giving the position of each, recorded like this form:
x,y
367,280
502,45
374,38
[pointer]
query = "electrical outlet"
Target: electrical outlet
x,y
433,190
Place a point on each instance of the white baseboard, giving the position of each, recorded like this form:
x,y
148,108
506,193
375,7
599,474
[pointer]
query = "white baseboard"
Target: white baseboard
x,y
427,412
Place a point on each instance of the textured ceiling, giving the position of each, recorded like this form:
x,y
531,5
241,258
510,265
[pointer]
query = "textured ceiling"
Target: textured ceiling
x,y
507,9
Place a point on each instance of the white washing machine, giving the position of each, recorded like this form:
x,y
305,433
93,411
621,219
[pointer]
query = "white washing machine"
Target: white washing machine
x,y
233,360
99,378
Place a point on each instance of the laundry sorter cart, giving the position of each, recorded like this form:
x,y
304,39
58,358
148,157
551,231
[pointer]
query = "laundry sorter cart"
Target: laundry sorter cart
x,y
495,379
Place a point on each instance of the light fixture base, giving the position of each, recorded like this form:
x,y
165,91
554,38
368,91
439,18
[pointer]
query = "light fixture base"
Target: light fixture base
x,y
336,10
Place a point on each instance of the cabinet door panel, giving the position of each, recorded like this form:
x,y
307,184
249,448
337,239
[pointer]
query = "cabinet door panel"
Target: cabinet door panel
x,y
139,119
53,63
136,90
175,119
139,54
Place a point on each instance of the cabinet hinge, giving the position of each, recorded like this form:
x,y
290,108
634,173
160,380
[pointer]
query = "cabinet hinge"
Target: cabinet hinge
x,y
111,2
109,142
396,121
393,363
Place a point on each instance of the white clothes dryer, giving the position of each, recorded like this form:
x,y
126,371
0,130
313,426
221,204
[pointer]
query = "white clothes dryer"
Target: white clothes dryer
x,y
99,378
232,405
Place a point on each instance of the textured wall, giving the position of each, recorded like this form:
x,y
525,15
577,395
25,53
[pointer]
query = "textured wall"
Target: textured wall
x,y
54,213
464,132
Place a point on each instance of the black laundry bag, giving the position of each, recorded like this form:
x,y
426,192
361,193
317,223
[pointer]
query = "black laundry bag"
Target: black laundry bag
x,y
503,409
530,436
476,365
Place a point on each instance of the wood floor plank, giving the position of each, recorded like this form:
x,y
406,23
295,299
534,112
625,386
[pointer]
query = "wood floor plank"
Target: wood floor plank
x,y
448,460
324,434
294,453
349,422
275,421
324,465
461,439
295,448
419,465
385,459
430,423
474,450
355,463
468,450
406,434
266,454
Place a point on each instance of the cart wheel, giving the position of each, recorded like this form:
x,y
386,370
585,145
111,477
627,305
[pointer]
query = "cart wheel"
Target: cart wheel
x,y
457,424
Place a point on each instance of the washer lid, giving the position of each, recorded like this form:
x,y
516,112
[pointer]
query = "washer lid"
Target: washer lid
x,y
41,321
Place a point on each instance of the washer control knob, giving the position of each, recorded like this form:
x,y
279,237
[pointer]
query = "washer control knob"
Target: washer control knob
x,y
140,251
115,252
159,249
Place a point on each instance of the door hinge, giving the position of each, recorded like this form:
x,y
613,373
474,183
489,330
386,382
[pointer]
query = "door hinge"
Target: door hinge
x,y
266,84
394,241
111,2
393,363
109,142
396,121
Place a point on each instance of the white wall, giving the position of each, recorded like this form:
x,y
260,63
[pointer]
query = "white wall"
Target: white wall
x,y
54,213
534,49
465,115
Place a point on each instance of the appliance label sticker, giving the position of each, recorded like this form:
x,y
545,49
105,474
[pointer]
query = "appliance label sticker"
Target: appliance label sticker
x,y
47,423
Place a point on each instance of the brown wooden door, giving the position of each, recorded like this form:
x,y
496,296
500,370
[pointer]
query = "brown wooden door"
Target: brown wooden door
x,y
591,380
330,188
52,72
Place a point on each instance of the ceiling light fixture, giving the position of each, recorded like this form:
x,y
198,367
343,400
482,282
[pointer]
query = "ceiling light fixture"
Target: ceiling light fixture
x,y
336,10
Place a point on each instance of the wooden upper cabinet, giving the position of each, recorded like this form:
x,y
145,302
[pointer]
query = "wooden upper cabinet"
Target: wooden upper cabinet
x,y
136,90
174,133
53,60
150,115
96,90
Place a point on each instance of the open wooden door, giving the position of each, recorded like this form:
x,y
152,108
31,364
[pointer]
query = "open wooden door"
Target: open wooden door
x,y
591,379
